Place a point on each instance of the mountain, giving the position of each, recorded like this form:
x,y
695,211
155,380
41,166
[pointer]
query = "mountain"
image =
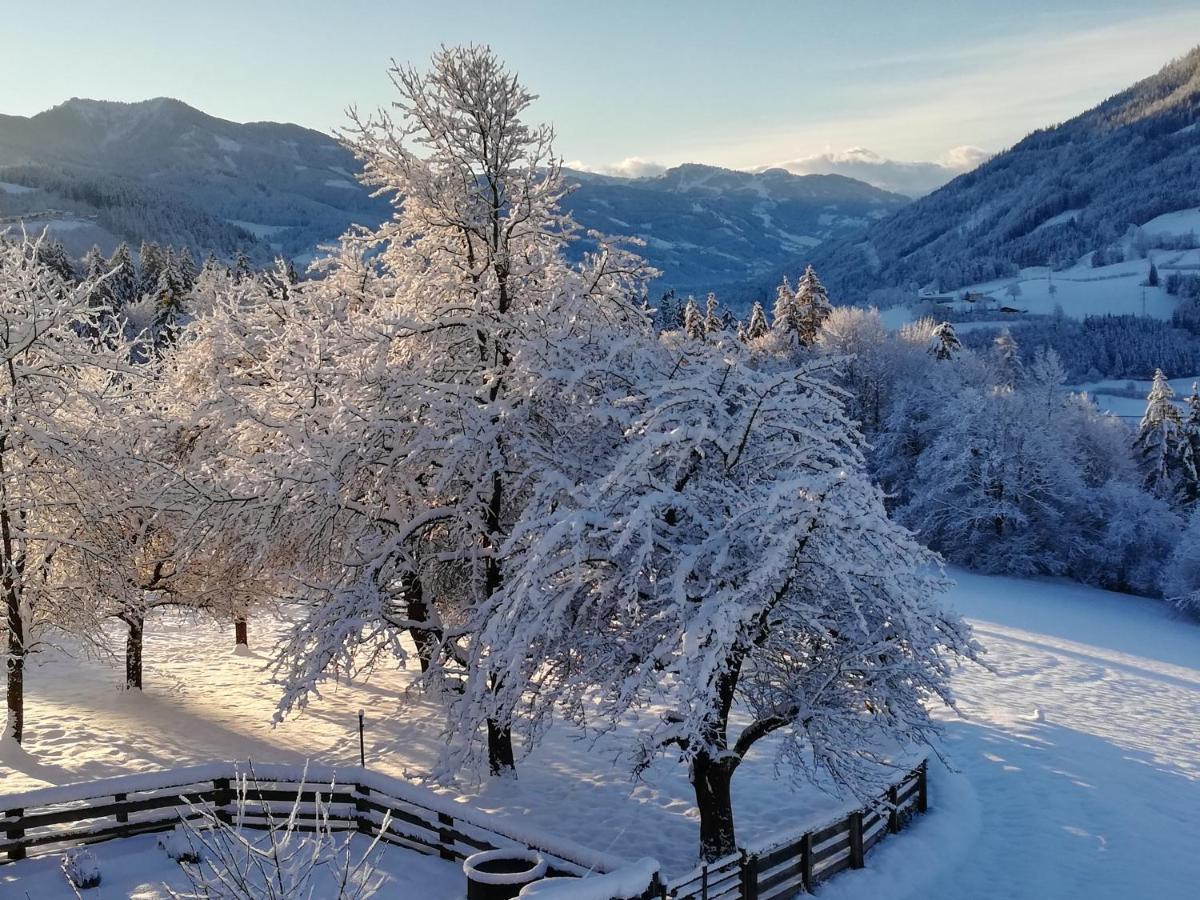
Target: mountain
x,y
101,172
714,229
162,170
1057,195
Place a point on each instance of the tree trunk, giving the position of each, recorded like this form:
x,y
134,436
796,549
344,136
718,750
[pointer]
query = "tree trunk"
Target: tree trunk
x,y
712,780
500,749
425,639
133,651
16,672
240,635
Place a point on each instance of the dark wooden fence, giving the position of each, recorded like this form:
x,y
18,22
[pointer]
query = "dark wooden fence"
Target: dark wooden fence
x,y
783,869
48,820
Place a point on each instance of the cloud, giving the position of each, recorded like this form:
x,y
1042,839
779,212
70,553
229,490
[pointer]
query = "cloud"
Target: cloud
x,y
630,167
910,178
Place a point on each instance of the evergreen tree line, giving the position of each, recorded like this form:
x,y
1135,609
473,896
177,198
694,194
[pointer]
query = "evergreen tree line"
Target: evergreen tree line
x,y
1109,346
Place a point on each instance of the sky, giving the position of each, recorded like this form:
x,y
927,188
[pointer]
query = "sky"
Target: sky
x,y
631,86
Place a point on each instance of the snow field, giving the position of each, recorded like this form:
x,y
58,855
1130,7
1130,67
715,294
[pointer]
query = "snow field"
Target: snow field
x,y
1076,765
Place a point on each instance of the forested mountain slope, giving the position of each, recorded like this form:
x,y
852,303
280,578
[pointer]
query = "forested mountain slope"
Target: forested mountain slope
x,y
1062,192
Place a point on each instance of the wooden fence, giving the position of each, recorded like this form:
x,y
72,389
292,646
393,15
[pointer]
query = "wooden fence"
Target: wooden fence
x,y
783,869
49,820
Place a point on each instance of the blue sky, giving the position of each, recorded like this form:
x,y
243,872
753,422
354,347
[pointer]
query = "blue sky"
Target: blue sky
x,y
741,84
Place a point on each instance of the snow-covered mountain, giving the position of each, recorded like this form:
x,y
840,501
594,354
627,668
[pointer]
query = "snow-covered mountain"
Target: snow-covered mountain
x,y
162,170
714,229
99,172
1061,193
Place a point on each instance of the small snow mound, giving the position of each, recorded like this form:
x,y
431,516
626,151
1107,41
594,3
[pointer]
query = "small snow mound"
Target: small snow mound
x,y
241,650
627,882
1038,715
178,845
81,868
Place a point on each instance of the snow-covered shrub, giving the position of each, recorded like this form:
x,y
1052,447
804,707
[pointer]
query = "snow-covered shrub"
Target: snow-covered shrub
x,y
178,845
81,868
1181,578
275,860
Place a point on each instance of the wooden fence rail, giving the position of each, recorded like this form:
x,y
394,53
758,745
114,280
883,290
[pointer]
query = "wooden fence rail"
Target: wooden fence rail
x,y
784,869
51,819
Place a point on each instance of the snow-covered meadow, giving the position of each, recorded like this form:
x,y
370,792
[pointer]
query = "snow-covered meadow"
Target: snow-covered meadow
x,y
1078,755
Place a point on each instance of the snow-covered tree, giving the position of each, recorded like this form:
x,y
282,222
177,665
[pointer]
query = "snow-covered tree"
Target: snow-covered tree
x,y
62,401
786,316
757,327
441,375
1164,448
693,320
813,304
1181,576
730,554
944,343
123,282
1006,356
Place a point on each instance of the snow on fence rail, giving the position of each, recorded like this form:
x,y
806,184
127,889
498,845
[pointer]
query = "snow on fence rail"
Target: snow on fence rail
x,y
51,819
786,868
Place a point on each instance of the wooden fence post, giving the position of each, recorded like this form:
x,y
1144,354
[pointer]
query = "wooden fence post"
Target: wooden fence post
x,y
15,833
806,861
749,876
922,788
445,838
122,814
360,808
856,839
704,882
893,796
222,797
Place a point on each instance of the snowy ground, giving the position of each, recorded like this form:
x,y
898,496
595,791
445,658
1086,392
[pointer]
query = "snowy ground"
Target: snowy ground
x,y
137,868
1094,797
1126,398
1079,759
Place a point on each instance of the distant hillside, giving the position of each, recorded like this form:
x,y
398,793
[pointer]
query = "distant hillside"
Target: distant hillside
x,y
717,229
1060,193
162,170
102,172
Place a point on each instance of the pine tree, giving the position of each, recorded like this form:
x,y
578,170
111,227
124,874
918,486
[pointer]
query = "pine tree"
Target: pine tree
x,y
714,322
1007,357
187,268
151,260
1191,424
944,343
813,305
1152,276
786,318
241,266
168,307
1164,448
758,326
123,282
53,255
693,321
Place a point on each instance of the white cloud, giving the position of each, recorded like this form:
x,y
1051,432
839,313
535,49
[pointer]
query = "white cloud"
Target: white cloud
x,y
630,167
910,178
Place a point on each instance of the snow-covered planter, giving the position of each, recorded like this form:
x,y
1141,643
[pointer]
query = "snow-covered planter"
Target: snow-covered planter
x,y
627,883
81,868
501,874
